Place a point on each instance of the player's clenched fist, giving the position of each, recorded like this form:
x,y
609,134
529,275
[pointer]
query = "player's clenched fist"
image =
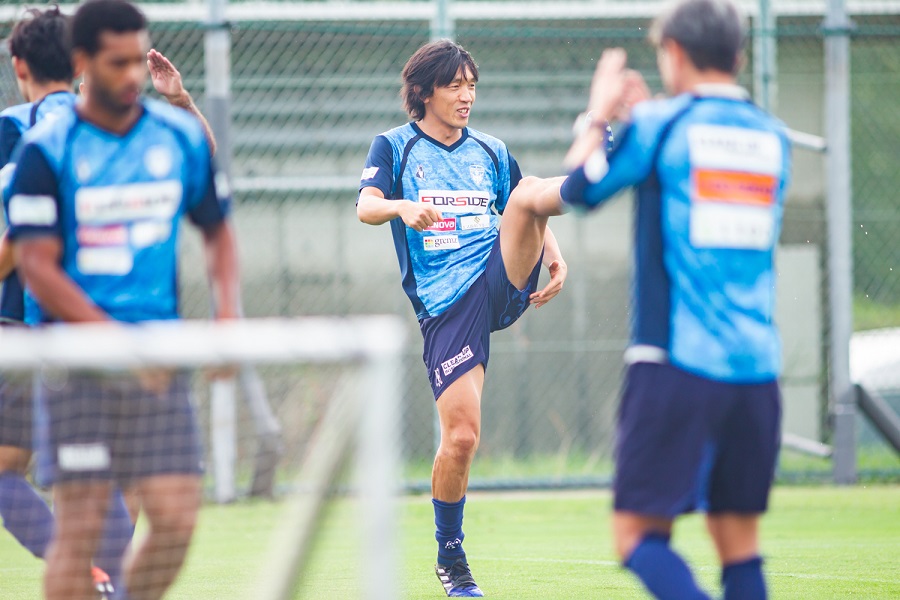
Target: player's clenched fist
x,y
419,216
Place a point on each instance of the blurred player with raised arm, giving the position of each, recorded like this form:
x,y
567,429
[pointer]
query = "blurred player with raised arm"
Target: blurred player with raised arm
x,y
95,206
699,422
442,187
43,67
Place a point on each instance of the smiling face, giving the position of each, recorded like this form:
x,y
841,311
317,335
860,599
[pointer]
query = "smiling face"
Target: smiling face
x,y
447,109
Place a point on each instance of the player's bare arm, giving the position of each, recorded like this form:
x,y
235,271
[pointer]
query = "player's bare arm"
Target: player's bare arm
x,y
167,81
374,209
38,259
7,262
222,265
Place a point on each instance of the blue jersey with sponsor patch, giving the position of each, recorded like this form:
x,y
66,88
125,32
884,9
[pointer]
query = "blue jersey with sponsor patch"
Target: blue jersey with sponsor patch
x,y
711,171
469,182
14,122
115,203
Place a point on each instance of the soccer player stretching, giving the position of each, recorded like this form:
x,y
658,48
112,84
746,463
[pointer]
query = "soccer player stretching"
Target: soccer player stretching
x,y
43,67
699,420
466,271
95,207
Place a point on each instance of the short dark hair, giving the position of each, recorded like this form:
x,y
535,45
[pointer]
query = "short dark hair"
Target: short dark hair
x,y
97,16
40,40
712,32
433,65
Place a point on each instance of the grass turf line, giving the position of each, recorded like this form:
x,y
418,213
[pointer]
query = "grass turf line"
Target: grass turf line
x,y
819,542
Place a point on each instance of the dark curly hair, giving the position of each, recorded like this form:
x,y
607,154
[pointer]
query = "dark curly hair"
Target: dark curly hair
x,y
40,40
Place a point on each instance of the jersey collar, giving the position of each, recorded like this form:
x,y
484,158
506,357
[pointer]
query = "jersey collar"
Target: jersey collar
x,y
451,148
720,90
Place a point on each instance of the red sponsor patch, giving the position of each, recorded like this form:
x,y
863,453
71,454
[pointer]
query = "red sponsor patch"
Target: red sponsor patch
x,y
443,225
115,235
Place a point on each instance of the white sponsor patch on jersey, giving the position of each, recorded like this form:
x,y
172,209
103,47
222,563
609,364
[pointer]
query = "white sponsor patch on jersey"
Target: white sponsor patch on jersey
x,y
369,173
129,202
441,242
223,186
474,222
443,225
448,365
36,211
150,233
104,261
457,201
734,149
735,226
84,457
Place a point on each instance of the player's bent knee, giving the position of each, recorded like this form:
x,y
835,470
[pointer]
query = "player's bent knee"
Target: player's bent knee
x,y
462,442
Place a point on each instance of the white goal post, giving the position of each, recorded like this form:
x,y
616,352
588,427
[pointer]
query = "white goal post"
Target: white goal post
x,y
360,417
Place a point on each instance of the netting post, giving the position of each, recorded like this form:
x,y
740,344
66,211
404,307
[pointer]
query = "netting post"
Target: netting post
x,y
840,253
378,460
765,65
442,24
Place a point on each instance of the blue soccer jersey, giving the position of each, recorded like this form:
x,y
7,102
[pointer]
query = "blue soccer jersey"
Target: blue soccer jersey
x,y
711,171
468,182
14,122
115,202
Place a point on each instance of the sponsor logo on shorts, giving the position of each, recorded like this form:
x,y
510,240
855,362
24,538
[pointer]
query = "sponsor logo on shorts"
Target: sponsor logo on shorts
x,y
475,222
369,173
437,378
443,225
37,211
83,457
441,242
457,201
448,365
115,235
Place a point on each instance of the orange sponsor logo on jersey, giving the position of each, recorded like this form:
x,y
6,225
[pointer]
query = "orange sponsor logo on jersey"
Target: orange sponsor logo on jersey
x,y
734,186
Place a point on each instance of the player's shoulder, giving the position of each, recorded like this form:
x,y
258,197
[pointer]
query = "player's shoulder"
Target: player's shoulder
x,y
495,144
398,136
51,132
17,116
656,114
177,119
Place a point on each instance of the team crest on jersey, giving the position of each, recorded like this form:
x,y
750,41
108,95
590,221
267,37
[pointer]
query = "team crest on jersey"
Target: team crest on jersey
x,y
158,160
83,170
420,172
477,173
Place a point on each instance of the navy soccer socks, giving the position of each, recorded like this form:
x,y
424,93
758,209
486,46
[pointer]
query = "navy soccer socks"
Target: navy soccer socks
x,y
662,571
744,580
25,514
448,518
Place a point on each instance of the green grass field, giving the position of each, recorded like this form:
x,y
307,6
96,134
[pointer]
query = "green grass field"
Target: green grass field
x,y
819,542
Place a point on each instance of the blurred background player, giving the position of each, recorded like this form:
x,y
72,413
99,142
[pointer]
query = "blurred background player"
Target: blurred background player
x,y
89,256
467,273
700,415
43,67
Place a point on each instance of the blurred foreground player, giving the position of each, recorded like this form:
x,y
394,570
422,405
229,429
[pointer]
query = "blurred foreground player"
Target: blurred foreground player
x,y
43,67
700,415
95,206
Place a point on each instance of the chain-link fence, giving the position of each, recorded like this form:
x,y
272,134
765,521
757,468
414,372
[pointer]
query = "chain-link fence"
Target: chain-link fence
x,y
309,94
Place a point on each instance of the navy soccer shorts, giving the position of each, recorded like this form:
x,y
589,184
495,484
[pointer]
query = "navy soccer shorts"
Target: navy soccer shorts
x,y
15,411
458,339
109,428
689,443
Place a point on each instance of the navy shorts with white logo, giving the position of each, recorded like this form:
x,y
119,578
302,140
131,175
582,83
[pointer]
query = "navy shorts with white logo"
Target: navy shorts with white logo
x,y
458,339
15,411
109,428
689,443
